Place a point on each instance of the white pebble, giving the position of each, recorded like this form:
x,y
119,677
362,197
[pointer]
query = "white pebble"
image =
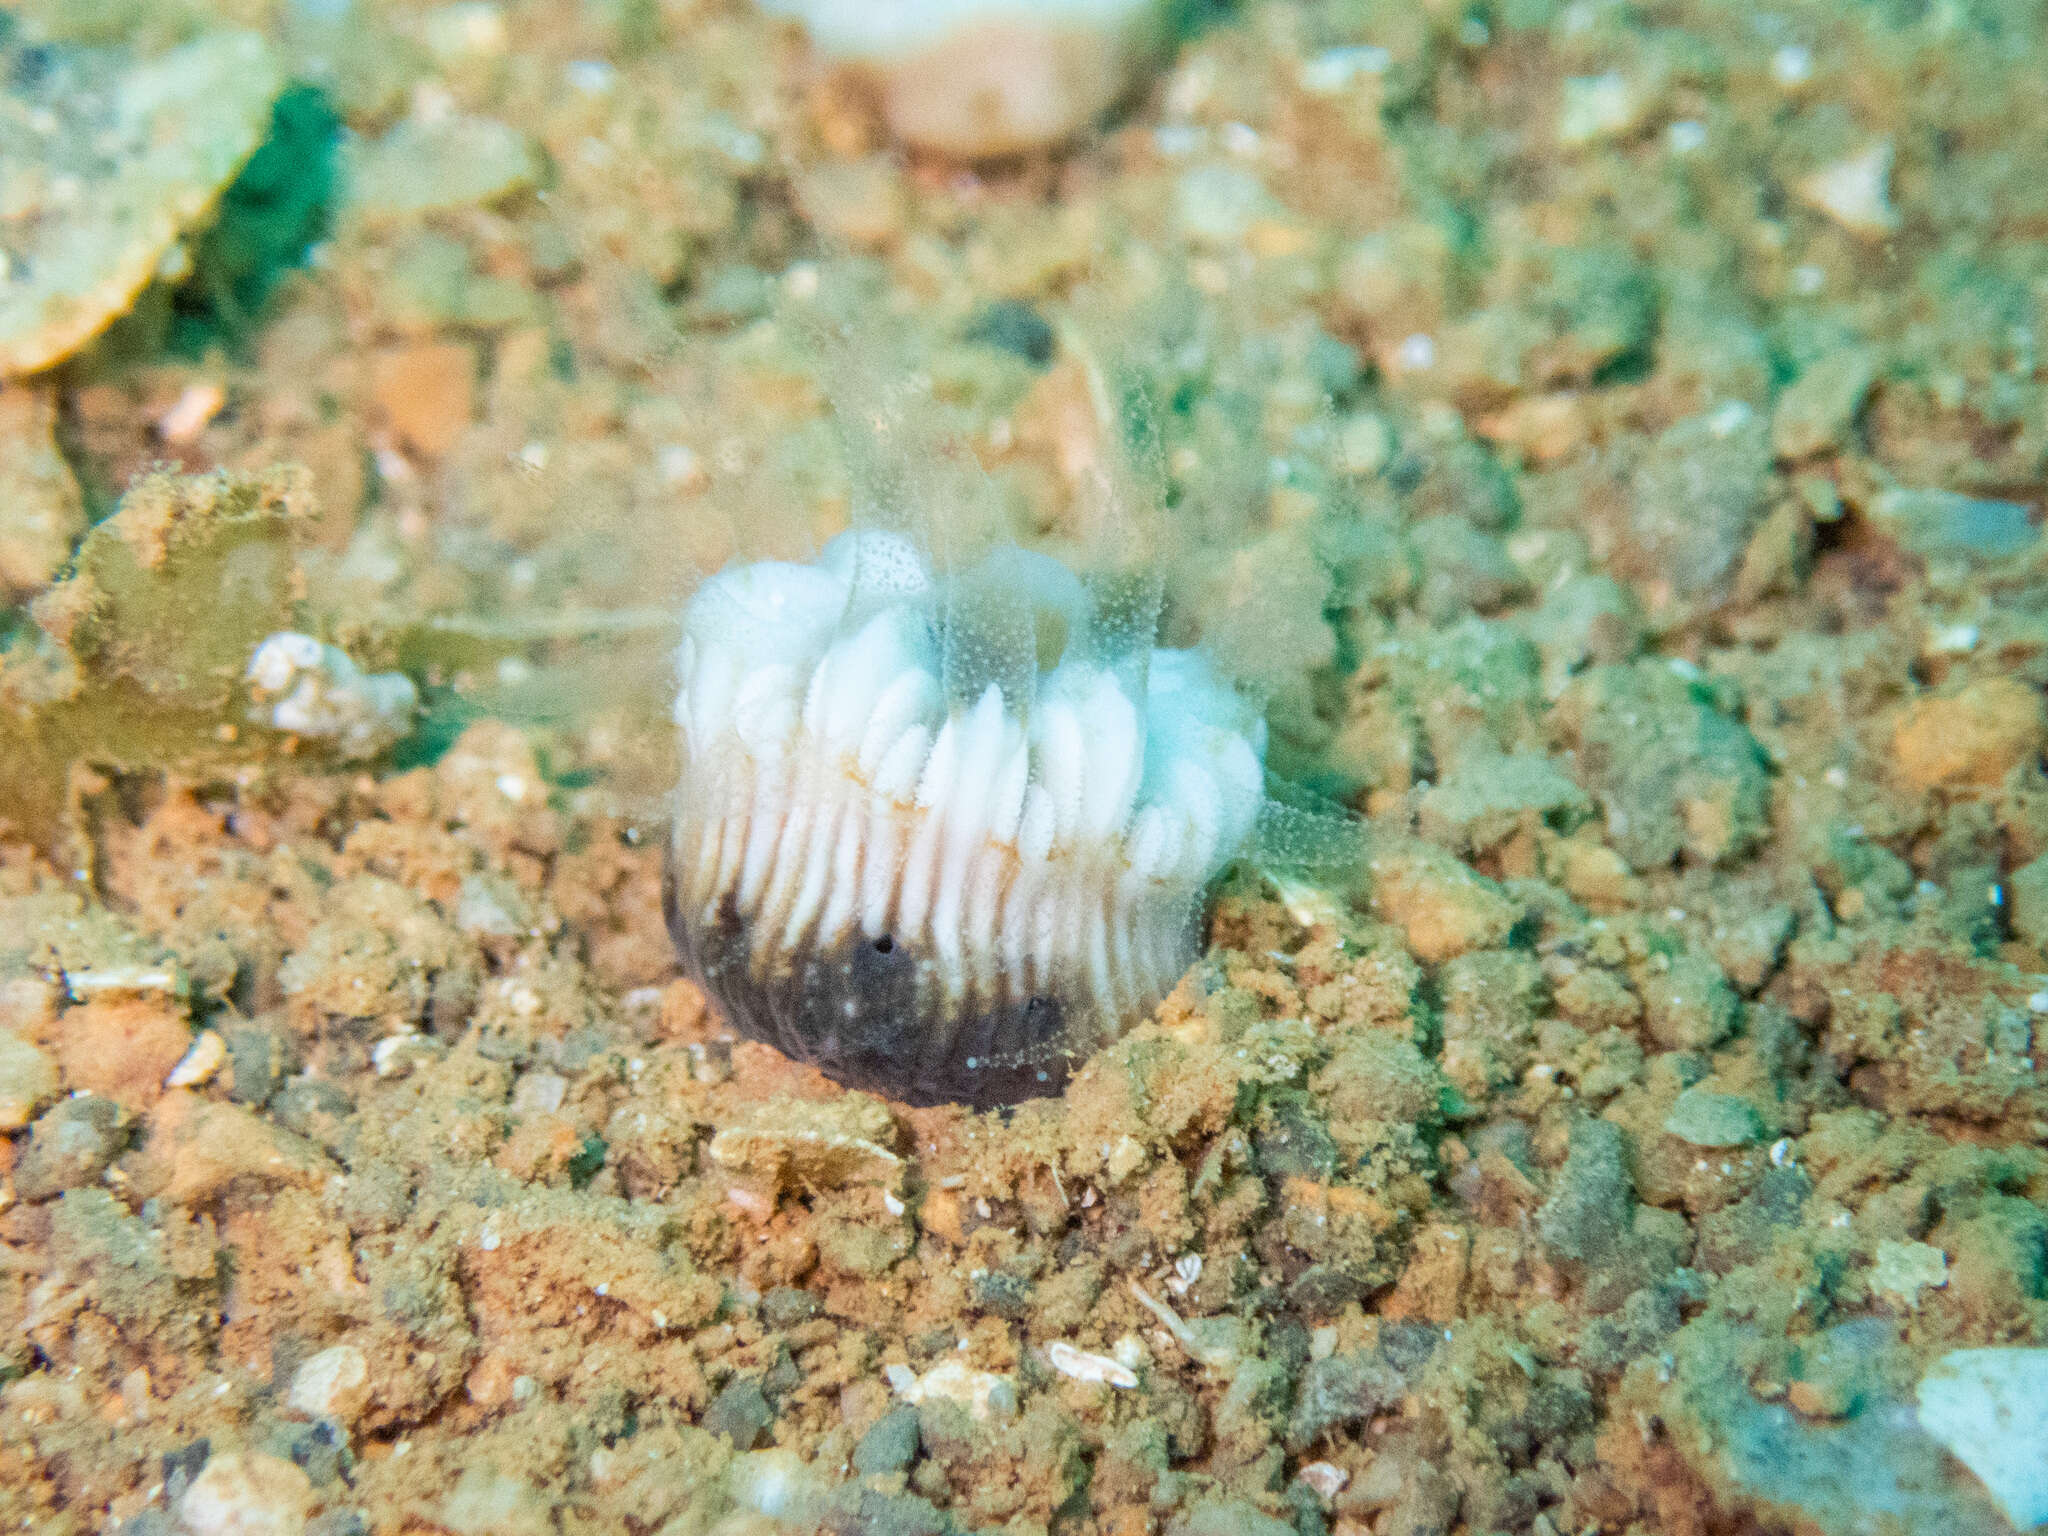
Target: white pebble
x,y
1855,192
1984,1406
333,1384
246,1495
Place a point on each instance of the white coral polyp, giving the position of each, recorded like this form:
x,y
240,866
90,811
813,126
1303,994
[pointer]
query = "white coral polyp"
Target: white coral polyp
x,y
1050,832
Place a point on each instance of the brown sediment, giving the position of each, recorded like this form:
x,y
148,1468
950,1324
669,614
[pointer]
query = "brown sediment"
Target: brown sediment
x,y
1618,1153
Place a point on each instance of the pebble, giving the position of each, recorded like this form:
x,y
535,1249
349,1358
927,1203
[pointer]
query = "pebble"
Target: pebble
x,y
432,162
861,202
1855,192
251,1494
333,1384
1972,738
1816,410
1443,908
890,1446
426,393
1609,106
28,1080
1217,205
1904,1270
1984,1406
70,1146
123,1047
1949,525
188,120
1704,1119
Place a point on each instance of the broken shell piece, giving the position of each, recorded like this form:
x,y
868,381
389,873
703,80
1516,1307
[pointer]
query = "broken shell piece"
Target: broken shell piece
x,y
984,1394
108,163
976,79
1325,1478
334,1384
200,1063
307,688
788,1143
1083,1366
1855,192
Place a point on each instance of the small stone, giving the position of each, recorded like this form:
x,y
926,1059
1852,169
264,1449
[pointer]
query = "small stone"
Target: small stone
x,y
1217,205
1344,1389
123,1047
1984,1405
1696,500
1829,1399
1013,326
28,1080
333,1384
196,1149
1365,444
1705,1119
1228,1517
1815,411
486,1501
740,1413
1972,738
255,1062
1673,772
467,29
1487,797
1947,525
1688,1005
1749,948
861,202
890,1446
70,1146
428,164
426,393
1904,1270
1463,567
1855,192
1443,907
788,1306
1609,106
239,1494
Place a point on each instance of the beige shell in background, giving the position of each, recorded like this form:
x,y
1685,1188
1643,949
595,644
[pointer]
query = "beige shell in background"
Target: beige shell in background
x,y
974,79
103,178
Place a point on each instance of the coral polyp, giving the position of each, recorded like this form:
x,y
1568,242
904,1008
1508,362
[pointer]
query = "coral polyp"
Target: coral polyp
x,y
941,834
